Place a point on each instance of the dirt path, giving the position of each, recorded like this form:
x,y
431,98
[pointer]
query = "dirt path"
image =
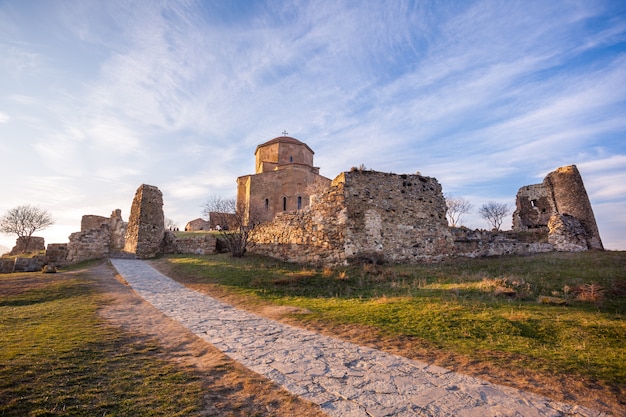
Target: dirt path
x,y
231,390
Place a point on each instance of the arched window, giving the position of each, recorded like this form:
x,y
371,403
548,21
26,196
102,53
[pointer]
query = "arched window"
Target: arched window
x,y
291,159
299,203
284,203
267,204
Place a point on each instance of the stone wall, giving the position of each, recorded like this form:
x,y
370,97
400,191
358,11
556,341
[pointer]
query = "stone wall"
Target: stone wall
x,y
368,216
31,244
56,253
562,202
146,224
364,216
200,244
99,236
313,235
478,243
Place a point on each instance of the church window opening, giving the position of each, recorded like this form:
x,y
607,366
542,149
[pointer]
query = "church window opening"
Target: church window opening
x,y
291,159
284,203
267,204
299,203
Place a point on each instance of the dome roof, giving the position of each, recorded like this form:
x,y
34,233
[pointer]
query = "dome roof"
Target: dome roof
x,y
283,139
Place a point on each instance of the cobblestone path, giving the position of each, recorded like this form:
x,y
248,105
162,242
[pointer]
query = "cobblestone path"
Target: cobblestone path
x,y
344,379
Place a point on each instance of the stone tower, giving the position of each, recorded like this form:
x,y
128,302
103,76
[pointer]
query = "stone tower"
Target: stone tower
x,y
146,225
561,205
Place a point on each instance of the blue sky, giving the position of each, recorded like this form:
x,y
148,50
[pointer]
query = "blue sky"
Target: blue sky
x,y
99,97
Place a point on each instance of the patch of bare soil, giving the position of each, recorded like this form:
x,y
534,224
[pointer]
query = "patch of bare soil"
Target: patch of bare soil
x,y
509,371
231,389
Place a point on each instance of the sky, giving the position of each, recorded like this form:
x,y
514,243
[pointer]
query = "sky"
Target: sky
x,y
99,97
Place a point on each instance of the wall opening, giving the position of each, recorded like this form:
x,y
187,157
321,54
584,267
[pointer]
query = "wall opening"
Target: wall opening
x,y
299,203
284,203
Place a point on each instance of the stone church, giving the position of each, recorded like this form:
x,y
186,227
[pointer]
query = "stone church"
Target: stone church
x,y
284,180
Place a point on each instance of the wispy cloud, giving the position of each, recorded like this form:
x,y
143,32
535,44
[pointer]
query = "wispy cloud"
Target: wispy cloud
x,y
485,96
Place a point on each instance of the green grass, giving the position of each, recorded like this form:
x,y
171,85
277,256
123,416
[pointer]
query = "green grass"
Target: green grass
x,y
486,309
58,358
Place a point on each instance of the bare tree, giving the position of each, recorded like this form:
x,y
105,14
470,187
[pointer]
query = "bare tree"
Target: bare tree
x,y
24,221
457,207
236,221
170,224
494,213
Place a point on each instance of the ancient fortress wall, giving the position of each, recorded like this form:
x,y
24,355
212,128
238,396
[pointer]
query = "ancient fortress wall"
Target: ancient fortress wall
x,y
364,215
369,216
98,237
146,224
560,205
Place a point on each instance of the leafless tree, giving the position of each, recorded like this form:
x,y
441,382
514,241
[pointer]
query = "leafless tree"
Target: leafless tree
x,y
24,221
170,224
494,213
236,221
457,207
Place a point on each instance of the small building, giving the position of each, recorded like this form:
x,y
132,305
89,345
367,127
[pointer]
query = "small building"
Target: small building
x,y
222,221
197,225
284,180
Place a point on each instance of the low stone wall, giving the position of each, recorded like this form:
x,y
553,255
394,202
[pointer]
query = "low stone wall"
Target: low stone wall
x,y
201,244
56,254
7,265
33,264
478,243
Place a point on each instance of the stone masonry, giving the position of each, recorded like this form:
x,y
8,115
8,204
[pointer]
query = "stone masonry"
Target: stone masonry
x,y
560,205
146,224
98,237
369,216
25,244
364,216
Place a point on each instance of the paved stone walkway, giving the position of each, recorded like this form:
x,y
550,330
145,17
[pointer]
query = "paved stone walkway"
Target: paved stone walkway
x,y
344,379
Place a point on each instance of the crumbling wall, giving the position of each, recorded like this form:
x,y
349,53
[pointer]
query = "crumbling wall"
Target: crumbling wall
x,y
56,253
314,235
395,218
479,243
200,244
364,216
146,224
98,237
559,204
25,244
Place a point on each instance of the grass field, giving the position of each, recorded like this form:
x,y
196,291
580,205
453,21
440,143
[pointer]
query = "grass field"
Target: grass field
x,y
559,313
58,358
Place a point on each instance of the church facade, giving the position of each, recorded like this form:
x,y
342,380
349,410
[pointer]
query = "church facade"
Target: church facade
x,y
284,180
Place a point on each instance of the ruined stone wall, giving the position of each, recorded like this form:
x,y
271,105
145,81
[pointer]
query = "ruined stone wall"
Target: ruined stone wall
x,y
90,244
534,207
559,204
99,236
146,224
200,244
92,221
25,244
365,215
478,243
396,218
313,235
56,253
